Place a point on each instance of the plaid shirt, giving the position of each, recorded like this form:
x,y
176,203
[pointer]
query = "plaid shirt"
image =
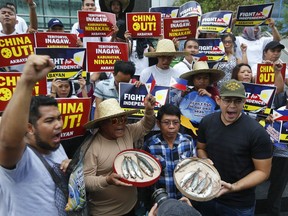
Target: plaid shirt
x,y
158,147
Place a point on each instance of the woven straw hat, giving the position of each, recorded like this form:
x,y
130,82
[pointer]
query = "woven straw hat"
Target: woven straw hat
x,y
165,47
107,109
202,67
124,3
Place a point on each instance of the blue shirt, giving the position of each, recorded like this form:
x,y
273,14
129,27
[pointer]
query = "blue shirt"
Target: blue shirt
x,y
183,147
106,89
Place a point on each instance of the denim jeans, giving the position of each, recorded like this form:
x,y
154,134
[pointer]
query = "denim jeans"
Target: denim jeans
x,y
214,208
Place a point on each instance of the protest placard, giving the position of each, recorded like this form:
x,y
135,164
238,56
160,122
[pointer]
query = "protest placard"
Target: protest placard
x,y
8,82
191,8
55,40
213,49
265,74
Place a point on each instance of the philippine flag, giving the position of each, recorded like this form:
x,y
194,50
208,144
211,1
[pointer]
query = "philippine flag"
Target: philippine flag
x,y
200,57
81,33
150,84
178,83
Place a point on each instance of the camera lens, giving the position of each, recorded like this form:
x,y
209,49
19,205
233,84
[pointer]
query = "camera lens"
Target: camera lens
x,y
159,196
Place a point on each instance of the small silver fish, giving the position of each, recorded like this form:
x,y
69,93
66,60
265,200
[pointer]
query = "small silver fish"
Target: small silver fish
x,y
131,168
195,180
146,163
201,184
182,163
186,179
124,168
136,168
144,168
207,186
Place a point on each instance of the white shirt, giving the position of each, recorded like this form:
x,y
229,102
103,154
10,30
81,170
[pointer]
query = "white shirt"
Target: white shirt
x,y
21,27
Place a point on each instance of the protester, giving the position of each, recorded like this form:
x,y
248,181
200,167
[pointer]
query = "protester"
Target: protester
x,y
25,181
230,136
242,72
109,88
107,194
255,42
172,207
202,78
169,146
162,72
191,46
55,25
228,41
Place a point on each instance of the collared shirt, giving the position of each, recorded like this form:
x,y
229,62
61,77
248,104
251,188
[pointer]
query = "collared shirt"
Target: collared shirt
x,y
183,148
106,89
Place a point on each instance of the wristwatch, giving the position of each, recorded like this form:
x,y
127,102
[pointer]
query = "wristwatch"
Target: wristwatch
x,y
32,5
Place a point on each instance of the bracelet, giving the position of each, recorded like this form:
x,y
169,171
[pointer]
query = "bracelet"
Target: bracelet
x,y
33,5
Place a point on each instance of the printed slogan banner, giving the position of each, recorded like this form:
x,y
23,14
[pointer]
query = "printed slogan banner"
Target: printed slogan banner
x,y
75,113
101,56
266,75
180,28
195,106
8,82
15,49
212,48
132,97
259,98
274,130
55,40
142,25
216,21
166,12
68,61
96,24
253,15
191,8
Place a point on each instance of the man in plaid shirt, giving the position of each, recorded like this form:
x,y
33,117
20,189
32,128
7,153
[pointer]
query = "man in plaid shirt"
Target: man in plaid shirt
x,y
170,147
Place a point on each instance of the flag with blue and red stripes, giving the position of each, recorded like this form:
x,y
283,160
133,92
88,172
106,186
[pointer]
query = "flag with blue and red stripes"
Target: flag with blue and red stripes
x,y
80,33
200,57
178,83
150,84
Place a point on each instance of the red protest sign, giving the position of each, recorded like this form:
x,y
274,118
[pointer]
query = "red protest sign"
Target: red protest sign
x,y
8,81
101,56
55,40
265,74
144,24
180,28
15,49
75,113
96,24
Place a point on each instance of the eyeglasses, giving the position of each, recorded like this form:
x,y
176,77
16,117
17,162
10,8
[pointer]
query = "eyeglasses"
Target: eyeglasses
x,y
227,41
228,101
118,120
168,123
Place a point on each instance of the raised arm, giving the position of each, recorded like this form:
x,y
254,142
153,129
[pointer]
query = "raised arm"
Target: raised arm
x,y
32,14
14,120
275,32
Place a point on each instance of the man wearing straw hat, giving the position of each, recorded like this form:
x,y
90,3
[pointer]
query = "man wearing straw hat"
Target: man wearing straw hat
x,y
108,195
162,72
240,150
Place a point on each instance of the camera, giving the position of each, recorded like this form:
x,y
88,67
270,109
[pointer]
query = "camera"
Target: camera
x,y
159,196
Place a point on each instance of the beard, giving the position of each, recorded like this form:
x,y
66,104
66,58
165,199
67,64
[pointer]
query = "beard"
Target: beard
x,y
44,145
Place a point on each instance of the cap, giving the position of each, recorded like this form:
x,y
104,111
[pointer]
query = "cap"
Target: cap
x,y
173,207
232,88
54,22
274,44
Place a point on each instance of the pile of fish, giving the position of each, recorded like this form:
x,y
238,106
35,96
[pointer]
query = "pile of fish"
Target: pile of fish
x,y
195,183
134,170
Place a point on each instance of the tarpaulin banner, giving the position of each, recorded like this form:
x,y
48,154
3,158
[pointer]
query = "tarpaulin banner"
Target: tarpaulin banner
x,y
68,61
216,21
191,8
212,48
132,97
253,15
15,49
266,75
55,40
8,82
101,56
75,113
259,98
180,28
166,12
142,25
96,24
